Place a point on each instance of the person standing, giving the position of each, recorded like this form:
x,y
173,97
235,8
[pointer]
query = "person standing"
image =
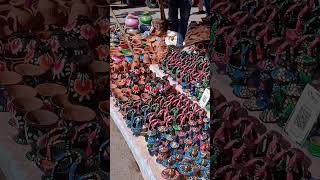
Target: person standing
x,y
179,26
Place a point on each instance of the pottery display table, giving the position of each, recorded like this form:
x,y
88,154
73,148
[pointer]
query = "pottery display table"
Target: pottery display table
x,y
221,82
12,159
149,168
155,68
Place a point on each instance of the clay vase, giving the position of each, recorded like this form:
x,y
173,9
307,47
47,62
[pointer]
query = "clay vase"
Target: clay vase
x,y
78,8
38,122
19,18
20,107
132,21
51,12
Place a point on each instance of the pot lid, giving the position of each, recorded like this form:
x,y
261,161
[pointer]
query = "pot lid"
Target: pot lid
x,y
78,113
50,89
9,78
41,117
17,91
27,103
29,70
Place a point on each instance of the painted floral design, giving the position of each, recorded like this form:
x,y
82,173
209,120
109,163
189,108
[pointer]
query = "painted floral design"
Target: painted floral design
x,y
135,89
54,44
81,87
102,51
45,61
104,26
70,26
147,88
87,31
16,46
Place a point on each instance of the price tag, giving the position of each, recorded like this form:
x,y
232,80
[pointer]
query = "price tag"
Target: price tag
x,y
205,98
304,115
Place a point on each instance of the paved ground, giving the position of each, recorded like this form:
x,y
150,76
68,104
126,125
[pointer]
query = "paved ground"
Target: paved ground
x,y
121,12
123,164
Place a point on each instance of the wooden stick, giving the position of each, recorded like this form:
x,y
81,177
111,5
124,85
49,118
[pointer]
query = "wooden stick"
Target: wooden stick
x,y
163,15
123,32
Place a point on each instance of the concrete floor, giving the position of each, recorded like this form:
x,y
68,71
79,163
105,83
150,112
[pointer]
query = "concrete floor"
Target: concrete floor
x,y
122,164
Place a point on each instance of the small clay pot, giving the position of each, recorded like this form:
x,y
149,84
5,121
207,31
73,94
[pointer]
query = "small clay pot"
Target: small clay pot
x,y
31,73
17,91
20,107
50,89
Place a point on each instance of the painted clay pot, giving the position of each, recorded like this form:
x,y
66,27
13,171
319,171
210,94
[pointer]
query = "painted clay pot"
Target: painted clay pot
x,y
7,78
38,122
20,107
19,18
31,73
47,90
52,13
145,18
18,91
132,21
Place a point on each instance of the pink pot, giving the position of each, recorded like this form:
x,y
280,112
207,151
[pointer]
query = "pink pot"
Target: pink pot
x,y
132,21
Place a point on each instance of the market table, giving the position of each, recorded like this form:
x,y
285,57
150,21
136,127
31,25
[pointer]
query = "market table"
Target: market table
x,y
221,82
149,168
13,163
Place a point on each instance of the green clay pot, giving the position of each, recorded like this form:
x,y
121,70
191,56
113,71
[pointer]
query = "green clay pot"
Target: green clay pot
x,y
145,18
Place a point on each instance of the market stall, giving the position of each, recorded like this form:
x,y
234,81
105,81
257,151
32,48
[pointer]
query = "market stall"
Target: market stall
x,y
262,64
158,112
53,90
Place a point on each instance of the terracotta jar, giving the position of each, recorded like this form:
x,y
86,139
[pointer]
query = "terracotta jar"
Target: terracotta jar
x,y
19,18
20,107
78,8
38,122
51,12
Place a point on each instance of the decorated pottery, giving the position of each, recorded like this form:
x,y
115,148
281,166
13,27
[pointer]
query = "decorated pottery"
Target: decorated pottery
x,y
132,21
145,18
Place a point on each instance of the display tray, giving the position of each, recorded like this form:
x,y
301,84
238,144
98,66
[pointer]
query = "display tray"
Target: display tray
x,y
155,68
150,170
221,82
13,162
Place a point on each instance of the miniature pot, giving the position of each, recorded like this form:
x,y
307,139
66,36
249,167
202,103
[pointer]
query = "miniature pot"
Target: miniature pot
x,y
20,107
77,115
31,73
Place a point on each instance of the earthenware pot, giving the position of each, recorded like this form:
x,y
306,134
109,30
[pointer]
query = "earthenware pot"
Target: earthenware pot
x,y
132,21
145,18
20,107
32,74
7,78
38,122
19,18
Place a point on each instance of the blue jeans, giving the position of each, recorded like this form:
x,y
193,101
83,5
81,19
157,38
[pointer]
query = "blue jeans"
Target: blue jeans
x,y
207,6
180,26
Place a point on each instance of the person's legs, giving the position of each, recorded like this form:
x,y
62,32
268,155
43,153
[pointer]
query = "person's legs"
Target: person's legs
x,y
200,5
185,9
207,6
173,15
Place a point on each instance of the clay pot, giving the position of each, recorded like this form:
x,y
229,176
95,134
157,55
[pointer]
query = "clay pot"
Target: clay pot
x,y
135,97
19,18
77,9
117,92
32,74
9,78
52,12
146,59
132,21
20,107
